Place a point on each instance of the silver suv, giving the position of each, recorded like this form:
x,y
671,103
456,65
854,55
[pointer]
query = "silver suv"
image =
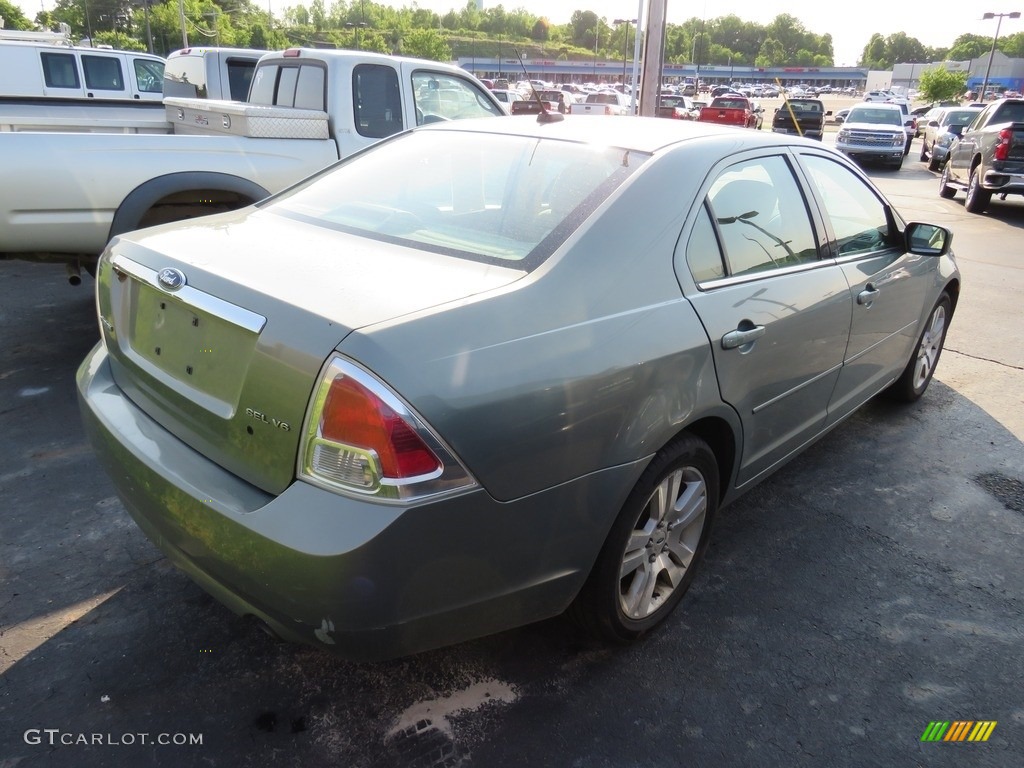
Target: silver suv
x,y
874,132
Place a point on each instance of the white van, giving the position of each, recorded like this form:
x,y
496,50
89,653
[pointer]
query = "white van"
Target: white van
x,y
46,71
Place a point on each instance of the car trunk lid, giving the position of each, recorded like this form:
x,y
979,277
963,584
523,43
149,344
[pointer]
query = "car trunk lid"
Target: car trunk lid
x,y
218,329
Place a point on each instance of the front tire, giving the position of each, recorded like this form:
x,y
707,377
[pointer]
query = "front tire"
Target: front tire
x,y
655,545
916,377
977,198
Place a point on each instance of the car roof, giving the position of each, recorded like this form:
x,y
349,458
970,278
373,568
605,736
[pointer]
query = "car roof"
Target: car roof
x,y
641,134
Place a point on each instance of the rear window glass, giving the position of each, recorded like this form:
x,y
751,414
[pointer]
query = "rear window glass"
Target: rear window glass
x,y
59,70
102,73
508,200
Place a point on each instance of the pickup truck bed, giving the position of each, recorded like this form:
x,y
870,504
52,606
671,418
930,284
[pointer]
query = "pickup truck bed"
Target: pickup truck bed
x,y
80,116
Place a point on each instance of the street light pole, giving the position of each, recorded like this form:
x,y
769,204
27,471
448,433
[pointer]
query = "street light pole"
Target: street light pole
x,y
597,40
992,53
625,43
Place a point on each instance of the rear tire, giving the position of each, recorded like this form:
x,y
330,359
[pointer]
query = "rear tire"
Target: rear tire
x,y
916,377
924,151
977,198
655,545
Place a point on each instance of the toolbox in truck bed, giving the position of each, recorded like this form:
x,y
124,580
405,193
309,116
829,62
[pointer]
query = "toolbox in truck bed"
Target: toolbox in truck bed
x,y
239,118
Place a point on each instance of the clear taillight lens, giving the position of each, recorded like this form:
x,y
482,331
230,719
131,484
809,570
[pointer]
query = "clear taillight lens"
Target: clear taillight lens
x,y
360,437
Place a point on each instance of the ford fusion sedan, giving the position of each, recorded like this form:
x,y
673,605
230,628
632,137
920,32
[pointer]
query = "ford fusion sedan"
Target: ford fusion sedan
x,y
489,371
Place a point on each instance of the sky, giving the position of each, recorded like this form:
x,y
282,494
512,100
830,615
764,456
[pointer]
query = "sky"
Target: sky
x,y
850,24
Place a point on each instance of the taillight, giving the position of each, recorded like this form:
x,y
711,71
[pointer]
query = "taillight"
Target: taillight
x,y
1002,151
361,437
354,416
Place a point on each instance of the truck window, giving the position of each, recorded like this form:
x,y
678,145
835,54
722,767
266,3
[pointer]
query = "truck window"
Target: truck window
x,y
376,100
287,79
102,73
59,70
263,85
239,78
149,75
185,77
287,86
309,90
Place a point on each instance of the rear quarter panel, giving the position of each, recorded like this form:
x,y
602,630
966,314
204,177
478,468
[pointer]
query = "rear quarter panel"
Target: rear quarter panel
x,y
594,360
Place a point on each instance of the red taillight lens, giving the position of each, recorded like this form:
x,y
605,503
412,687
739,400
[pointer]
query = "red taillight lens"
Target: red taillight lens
x,y
355,416
1002,150
361,438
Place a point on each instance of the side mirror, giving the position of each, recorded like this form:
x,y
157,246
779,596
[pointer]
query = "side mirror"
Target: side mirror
x,y
933,123
956,130
828,113
927,239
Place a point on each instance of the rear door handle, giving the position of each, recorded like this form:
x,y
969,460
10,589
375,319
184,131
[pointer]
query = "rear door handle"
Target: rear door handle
x,y
738,338
868,295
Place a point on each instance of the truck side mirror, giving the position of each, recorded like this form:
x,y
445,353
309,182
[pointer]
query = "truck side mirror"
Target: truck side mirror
x,y
956,130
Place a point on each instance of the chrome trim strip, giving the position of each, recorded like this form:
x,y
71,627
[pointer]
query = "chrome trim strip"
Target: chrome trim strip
x,y
193,297
878,343
797,388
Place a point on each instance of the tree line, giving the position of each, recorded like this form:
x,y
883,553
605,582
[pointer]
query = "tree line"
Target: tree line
x,y
470,32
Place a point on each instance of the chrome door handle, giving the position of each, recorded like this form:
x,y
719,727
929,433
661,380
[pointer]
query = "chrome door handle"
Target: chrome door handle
x,y
867,296
738,338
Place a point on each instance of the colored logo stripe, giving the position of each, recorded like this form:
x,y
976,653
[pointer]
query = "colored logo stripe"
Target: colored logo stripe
x,y
935,731
959,730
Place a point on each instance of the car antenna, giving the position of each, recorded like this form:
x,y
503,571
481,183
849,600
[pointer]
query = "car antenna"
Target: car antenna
x,y
544,116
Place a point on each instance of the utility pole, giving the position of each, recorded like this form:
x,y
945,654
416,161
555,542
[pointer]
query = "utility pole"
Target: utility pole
x,y
654,53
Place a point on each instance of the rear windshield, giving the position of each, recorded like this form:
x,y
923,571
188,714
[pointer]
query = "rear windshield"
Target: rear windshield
x,y
508,200
805,106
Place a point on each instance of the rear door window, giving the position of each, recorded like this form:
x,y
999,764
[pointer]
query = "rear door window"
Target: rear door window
x,y
376,100
103,76
60,70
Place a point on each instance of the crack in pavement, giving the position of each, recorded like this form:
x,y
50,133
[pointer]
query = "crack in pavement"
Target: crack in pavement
x,y
986,359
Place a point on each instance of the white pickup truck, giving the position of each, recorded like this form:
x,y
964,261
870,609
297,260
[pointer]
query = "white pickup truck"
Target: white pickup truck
x,y
604,103
65,196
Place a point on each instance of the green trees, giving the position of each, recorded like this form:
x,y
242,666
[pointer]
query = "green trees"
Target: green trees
x,y
939,84
421,32
13,17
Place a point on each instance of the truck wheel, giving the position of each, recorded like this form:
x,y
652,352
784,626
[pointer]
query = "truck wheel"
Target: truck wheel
x,y
924,151
933,162
977,198
945,190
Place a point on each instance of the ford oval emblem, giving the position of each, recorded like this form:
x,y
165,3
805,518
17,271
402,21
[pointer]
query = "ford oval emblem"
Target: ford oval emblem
x,y
170,279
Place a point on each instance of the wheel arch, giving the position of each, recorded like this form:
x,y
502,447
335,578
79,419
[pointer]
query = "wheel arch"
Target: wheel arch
x,y
148,195
722,436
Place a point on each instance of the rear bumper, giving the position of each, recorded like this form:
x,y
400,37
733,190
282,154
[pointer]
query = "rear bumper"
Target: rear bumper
x,y
810,133
1010,182
362,579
